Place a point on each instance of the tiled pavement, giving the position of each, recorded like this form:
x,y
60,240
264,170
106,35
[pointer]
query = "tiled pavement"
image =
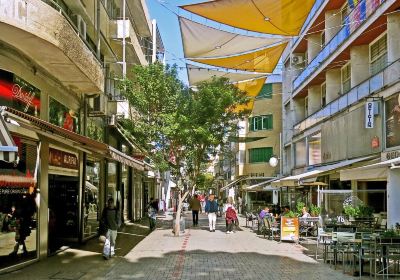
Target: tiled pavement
x,y
197,254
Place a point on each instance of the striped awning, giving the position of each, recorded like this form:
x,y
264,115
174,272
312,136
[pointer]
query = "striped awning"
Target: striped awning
x,y
8,150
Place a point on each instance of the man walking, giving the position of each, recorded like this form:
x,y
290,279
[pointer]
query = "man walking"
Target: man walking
x,y
196,207
211,210
111,221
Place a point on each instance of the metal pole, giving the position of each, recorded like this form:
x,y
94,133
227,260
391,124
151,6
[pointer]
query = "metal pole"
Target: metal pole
x,y
123,40
280,156
154,56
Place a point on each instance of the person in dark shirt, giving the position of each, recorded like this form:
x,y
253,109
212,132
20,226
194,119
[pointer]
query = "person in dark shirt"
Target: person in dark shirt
x,y
111,221
211,210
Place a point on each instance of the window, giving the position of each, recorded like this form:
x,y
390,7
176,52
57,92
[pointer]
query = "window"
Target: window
x,y
378,55
346,78
323,38
323,95
260,154
306,106
261,123
266,92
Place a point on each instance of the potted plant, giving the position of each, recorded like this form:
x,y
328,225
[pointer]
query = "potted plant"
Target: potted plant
x,y
351,212
291,214
365,211
315,211
299,208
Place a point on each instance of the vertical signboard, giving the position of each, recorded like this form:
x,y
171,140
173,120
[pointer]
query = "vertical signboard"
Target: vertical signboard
x,y
289,229
369,114
392,120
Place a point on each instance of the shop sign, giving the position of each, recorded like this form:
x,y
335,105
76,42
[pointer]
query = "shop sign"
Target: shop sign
x,y
289,229
369,115
63,159
392,120
375,142
18,94
14,190
390,155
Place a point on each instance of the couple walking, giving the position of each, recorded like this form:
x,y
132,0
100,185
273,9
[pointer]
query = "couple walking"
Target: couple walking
x,y
211,210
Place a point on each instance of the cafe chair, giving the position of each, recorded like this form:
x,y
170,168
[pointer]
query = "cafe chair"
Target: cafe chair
x,y
324,238
345,247
366,253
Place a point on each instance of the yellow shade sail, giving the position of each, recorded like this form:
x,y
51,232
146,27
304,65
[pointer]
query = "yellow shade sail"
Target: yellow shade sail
x,y
252,87
261,61
284,17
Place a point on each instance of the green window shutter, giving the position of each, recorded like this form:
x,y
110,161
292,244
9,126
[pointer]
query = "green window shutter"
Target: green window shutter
x,y
266,91
270,122
267,122
260,154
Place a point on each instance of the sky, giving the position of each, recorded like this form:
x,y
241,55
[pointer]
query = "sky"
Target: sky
x,y
169,28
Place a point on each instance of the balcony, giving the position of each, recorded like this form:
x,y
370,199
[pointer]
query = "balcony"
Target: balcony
x,y
46,36
377,82
354,21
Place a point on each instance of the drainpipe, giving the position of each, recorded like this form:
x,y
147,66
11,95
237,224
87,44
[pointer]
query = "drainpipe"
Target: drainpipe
x,y
98,29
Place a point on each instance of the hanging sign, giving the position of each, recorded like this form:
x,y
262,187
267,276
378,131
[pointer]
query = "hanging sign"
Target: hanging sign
x,y
369,115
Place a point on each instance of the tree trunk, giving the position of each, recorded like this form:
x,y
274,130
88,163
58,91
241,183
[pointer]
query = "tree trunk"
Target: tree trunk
x,y
177,227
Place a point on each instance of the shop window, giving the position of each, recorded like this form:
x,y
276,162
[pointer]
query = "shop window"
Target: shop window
x,y
261,123
260,154
346,78
91,212
18,211
378,55
266,92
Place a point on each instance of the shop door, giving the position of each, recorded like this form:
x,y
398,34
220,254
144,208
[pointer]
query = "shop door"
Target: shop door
x,y
63,211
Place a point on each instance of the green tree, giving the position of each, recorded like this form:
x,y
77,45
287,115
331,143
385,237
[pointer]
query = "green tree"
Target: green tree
x,y
180,127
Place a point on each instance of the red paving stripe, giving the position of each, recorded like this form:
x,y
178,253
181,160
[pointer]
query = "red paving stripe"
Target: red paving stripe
x,y
181,258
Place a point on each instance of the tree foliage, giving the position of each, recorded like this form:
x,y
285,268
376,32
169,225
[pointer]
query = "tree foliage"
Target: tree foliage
x,y
180,126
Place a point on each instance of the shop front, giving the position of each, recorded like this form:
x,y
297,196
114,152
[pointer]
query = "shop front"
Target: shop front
x,y
18,192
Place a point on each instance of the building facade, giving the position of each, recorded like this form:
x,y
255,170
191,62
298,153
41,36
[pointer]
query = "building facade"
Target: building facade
x,y
60,62
340,100
258,139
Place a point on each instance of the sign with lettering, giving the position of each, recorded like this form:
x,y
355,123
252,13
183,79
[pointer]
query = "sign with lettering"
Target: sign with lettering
x,y
289,229
63,159
390,155
369,115
18,94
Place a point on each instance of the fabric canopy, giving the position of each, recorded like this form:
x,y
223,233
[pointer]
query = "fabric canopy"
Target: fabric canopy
x,y
201,41
376,171
8,149
284,17
198,74
252,87
261,61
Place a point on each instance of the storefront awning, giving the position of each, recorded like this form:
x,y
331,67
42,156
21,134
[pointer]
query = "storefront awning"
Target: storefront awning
x,y
79,141
284,17
219,43
125,159
376,171
91,187
311,176
8,150
232,183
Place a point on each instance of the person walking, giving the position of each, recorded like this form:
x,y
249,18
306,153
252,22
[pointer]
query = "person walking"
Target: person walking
x,y
111,221
152,210
196,207
230,215
211,210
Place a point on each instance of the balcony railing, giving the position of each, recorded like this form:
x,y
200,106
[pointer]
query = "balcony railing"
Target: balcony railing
x,y
67,16
386,77
356,17
313,11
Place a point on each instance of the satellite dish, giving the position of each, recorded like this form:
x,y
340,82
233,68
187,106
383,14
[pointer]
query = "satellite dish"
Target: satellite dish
x,y
273,161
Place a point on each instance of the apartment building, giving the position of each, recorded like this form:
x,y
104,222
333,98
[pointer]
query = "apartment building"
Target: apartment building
x,y
340,103
64,152
258,139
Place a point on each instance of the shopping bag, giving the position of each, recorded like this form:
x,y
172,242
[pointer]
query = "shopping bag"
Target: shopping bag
x,y
107,248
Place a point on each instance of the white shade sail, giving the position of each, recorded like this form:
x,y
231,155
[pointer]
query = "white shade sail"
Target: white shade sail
x,y
201,41
199,74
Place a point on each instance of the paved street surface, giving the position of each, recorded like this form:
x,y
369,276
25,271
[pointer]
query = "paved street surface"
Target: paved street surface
x,y
197,254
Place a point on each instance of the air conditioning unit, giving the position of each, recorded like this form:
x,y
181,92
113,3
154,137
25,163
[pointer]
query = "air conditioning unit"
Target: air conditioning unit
x,y
297,59
81,25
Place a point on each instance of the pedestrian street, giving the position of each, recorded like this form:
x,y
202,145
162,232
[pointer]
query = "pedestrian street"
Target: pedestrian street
x,y
196,254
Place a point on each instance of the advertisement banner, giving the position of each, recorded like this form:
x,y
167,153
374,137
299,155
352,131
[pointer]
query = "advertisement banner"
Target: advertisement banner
x,y
62,116
289,229
18,94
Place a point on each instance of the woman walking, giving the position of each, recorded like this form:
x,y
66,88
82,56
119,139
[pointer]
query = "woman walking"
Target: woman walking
x,y
230,215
